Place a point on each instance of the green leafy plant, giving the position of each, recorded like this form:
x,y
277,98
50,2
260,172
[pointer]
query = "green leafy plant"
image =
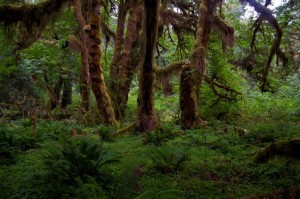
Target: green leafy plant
x,y
169,159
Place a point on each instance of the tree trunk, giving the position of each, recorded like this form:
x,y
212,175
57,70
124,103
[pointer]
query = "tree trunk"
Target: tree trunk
x,y
115,64
84,76
96,72
191,75
189,98
147,118
67,93
57,89
120,88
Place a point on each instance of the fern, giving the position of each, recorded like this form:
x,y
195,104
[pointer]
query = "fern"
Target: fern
x,y
167,159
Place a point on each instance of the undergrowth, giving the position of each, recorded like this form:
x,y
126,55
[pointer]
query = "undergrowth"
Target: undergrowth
x,y
209,162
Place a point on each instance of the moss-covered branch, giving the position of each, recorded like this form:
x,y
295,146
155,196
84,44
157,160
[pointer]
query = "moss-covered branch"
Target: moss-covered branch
x,y
226,31
266,14
30,19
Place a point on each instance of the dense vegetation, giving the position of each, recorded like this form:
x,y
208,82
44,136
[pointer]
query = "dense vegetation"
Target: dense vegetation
x,y
149,99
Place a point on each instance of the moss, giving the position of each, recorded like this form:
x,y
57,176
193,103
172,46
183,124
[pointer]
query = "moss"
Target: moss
x,y
283,148
30,19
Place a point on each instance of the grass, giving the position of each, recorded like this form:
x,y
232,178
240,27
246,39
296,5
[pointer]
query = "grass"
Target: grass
x,y
217,164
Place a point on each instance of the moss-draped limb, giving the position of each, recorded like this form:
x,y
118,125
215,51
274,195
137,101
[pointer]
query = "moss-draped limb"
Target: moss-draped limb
x,y
164,75
146,114
226,31
30,19
282,148
266,14
183,24
96,72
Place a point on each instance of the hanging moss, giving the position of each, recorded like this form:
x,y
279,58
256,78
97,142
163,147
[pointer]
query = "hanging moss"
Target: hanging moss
x,y
30,19
283,148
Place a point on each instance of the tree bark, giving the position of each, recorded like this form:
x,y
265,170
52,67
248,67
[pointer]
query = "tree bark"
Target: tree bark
x,y
84,76
120,88
96,72
147,118
191,75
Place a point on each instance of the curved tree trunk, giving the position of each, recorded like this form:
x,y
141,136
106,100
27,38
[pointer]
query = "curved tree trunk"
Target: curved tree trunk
x,y
96,72
147,118
191,76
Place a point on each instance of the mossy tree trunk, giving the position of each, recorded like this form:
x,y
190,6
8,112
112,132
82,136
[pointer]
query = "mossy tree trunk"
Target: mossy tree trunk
x,y
96,72
123,62
189,98
191,75
81,16
120,84
147,118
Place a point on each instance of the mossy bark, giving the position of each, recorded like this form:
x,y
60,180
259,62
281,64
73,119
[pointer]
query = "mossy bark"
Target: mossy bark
x,y
115,64
81,16
84,76
146,114
120,84
189,98
96,72
192,74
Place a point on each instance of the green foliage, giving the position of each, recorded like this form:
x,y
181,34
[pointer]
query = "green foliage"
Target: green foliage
x,y
14,141
169,159
159,136
7,145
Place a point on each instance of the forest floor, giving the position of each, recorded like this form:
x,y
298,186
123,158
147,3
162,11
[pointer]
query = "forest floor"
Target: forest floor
x,y
216,161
